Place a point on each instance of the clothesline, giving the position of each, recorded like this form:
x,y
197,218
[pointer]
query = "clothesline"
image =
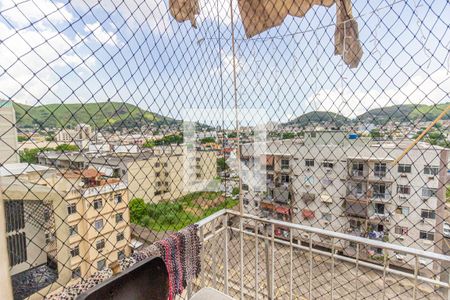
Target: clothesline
x,y
303,31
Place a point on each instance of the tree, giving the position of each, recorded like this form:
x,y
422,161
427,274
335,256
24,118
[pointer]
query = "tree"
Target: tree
x,y
22,138
235,191
66,148
207,140
375,134
149,144
30,155
288,135
138,209
222,165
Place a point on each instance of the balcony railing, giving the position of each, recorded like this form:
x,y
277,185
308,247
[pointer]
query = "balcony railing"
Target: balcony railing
x,y
243,257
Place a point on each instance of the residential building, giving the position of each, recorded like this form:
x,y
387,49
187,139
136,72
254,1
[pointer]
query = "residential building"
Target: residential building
x,y
348,184
8,133
153,175
98,220
35,231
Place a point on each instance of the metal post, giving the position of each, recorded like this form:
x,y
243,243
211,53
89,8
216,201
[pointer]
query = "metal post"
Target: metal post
x,y
256,261
225,225
267,258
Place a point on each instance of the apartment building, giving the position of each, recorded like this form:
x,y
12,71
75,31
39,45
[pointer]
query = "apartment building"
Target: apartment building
x,y
8,133
344,183
98,219
34,230
163,176
153,174
80,132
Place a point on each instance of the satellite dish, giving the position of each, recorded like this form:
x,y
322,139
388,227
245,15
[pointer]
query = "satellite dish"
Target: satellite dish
x,y
81,184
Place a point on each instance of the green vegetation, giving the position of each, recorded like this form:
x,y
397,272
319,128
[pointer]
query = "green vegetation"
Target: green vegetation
x,y
113,115
222,165
207,140
176,215
319,117
375,134
30,155
22,138
288,135
447,194
167,140
403,113
235,191
435,137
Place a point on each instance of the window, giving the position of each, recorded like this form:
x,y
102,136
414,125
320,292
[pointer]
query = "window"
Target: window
x,y
98,224
402,210
379,190
76,273
157,165
403,189
101,264
312,134
379,208
327,164
120,236
75,251
198,175
119,218
98,204
326,217
166,173
401,230
428,192
73,230
117,198
120,254
380,169
358,169
431,170
71,209
15,217
17,248
309,162
285,163
404,168
197,159
165,164
284,178
100,244
428,214
426,235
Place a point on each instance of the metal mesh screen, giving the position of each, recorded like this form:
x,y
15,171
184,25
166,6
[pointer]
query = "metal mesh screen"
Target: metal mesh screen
x,y
124,121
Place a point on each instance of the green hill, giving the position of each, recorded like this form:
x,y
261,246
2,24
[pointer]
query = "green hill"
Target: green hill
x,y
403,113
319,117
103,115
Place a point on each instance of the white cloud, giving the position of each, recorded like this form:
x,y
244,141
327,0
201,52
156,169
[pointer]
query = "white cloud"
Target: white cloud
x,y
431,89
99,34
21,12
33,61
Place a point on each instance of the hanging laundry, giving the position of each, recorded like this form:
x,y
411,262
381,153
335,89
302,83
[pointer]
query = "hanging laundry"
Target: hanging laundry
x,y
184,10
346,36
180,252
261,15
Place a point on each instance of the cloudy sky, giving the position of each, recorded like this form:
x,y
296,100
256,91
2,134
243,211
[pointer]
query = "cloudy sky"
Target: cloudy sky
x,y
133,51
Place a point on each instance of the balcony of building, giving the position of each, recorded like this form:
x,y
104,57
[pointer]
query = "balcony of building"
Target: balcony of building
x,y
268,259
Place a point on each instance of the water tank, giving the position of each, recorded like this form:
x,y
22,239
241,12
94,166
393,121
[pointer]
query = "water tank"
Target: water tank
x,y
352,136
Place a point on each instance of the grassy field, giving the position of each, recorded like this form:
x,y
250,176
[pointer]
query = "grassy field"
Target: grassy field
x,y
173,216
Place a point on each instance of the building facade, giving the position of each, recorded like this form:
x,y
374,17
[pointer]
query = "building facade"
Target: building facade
x,y
348,184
